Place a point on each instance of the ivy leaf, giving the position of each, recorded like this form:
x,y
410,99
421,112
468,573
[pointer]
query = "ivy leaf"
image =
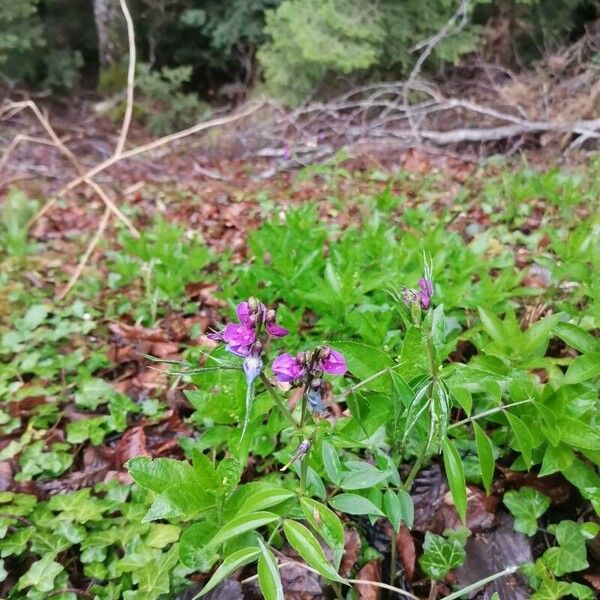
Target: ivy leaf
x,y
308,547
154,577
268,574
571,554
440,555
526,506
41,574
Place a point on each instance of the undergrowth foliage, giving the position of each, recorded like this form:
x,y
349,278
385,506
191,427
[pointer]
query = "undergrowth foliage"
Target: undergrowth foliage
x,y
354,358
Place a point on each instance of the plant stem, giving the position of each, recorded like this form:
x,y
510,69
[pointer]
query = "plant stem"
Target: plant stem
x,y
394,542
282,407
487,413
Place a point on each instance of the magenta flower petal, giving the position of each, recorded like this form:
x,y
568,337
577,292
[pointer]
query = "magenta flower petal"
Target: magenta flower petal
x,y
286,368
243,312
334,364
276,330
238,335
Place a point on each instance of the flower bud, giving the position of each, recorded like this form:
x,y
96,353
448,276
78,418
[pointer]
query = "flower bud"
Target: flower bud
x,y
270,318
315,384
324,353
251,321
317,373
253,304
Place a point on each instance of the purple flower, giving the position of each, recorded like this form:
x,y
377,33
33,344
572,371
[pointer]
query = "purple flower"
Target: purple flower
x,y
238,338
425,292
287,368
333,362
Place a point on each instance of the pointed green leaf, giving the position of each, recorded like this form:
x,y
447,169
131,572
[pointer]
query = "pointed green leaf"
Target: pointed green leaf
x,y
393,509
353,504
408,507
331,462
492,325
308,547
583,368
268,574
576,337
456,478
241,524
266,498
231,563
327,524
522,436
485,454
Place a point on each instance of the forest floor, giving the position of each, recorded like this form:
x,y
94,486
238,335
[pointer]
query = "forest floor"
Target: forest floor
x,y
81,397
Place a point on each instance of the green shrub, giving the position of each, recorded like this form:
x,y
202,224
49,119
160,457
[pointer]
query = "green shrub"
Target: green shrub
x,y
162,104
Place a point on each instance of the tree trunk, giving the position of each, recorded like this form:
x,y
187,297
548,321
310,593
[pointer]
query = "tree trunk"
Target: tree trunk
x,y
112,33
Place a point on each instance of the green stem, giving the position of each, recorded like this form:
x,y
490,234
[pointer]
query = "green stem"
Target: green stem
x,y
282,407
487,413
394,542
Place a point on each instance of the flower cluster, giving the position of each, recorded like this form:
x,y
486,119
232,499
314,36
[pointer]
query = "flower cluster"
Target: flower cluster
x,y
242,338
307,368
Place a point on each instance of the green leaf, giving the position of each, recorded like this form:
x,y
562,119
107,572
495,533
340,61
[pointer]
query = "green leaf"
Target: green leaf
x,y
266,498
354,504
41,574
153,579
456,478
161,535
583,368
364,361
492,326
308,547
331,462
485,453
578,434
268,574
35,316
527,506
440,556
576,337
408,507
571,555
524,442
556,458
231,563
241,524
194,551
327,524
181,501
159,473
365,477
393,509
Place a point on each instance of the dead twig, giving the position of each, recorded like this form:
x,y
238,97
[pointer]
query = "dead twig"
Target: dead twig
x,y
130,80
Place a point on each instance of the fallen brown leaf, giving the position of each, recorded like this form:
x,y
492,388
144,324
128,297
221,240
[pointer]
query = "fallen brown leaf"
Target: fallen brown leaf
x,y
370,572
133,443
406,551
351,551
